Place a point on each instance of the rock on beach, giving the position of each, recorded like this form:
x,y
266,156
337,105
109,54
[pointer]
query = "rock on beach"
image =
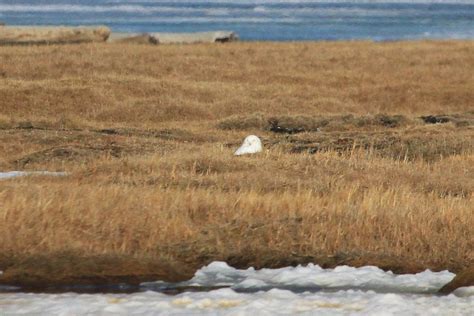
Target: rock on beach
x,y
131,38
199,37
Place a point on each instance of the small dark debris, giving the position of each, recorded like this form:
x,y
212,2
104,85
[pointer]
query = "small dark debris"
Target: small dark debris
x,y
305,149
223,40
463,123
25,125
109,131
46,155
432,119
68,153
390,121
274,127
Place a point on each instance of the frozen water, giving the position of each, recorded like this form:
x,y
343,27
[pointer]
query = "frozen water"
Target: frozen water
x,y
299,290
464,291
313,278
229,302
15,174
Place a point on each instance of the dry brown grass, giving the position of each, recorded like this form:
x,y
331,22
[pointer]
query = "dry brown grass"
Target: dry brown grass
x,y
146,85
147,134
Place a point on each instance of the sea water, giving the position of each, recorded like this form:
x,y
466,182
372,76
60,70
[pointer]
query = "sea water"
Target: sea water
x,y
282,20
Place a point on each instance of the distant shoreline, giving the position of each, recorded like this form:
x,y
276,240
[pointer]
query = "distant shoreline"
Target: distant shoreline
x,y
50,34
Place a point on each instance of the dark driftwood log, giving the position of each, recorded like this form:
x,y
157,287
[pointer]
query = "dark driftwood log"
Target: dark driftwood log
x,y
26,35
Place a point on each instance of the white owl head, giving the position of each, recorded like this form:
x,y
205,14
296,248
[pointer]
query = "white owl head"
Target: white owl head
x,y
251,145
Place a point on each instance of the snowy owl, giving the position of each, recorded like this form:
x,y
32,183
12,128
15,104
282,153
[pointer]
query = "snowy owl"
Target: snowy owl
x,y
251,145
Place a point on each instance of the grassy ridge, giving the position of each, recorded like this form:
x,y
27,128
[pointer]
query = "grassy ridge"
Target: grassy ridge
x,y
147,134
144,85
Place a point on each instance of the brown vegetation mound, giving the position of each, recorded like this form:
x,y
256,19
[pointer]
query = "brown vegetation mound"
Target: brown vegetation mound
x,y
463,278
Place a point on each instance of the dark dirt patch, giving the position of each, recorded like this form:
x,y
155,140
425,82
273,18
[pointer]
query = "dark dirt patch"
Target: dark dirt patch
x,y
72,153
63,124
174,134
25,125
41,271
302,123
431,119
397,145
459,120
75,146
166,134
243,122
296,124
277,128
68,268
5,125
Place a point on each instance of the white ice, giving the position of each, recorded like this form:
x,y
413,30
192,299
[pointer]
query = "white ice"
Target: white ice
x,y
229,302
251,145
15,174
286,291
464,291
313,277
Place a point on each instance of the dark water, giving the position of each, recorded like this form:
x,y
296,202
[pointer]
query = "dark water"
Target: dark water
x,y
177,288
124,288
258,20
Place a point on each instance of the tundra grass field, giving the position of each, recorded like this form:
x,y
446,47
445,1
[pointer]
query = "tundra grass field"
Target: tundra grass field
x,y
368,158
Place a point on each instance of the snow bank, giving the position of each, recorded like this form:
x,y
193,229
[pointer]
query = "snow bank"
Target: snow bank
x,y
14,174
311,278
464,291
299,290
229,302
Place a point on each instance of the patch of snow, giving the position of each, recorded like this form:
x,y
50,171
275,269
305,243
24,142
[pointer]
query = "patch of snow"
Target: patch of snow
x,y
251,145
229,302
464,291
312,278
15,174
302,290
